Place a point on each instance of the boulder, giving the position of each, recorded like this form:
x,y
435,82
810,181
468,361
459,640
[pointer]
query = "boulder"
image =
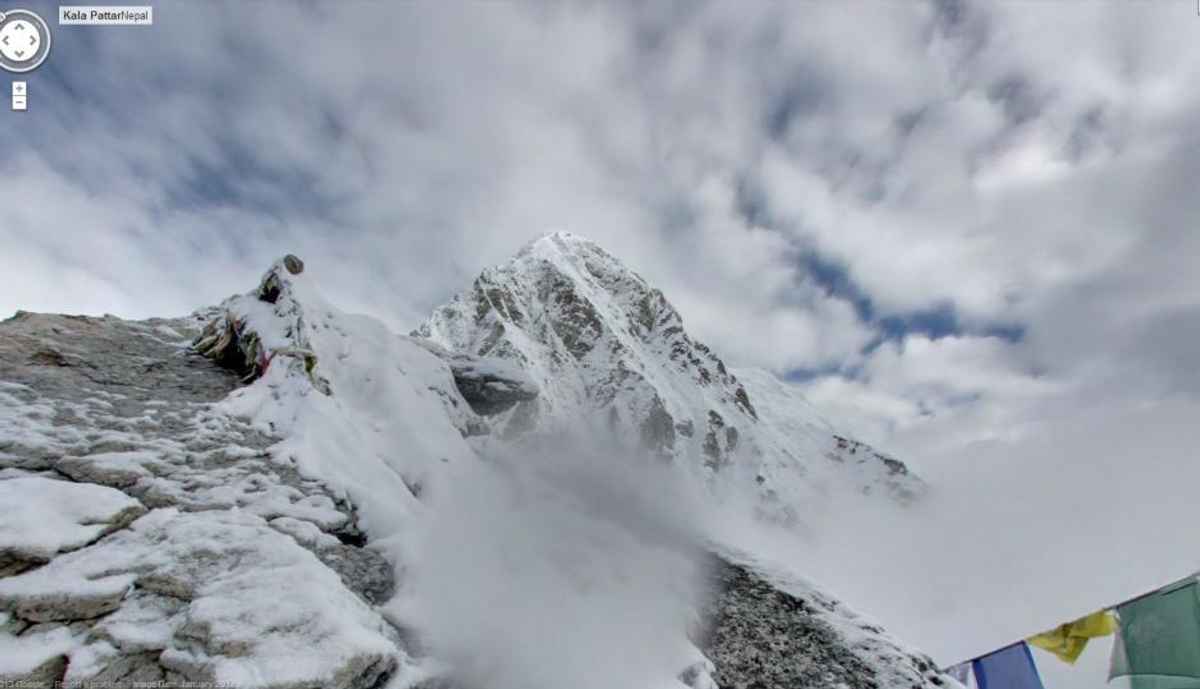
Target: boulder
x,y
489,385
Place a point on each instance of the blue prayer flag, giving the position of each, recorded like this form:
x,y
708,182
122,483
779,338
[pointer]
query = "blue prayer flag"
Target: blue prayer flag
x,y
1009,668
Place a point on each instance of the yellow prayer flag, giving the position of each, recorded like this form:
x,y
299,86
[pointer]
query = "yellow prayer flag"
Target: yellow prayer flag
x,y
1068,640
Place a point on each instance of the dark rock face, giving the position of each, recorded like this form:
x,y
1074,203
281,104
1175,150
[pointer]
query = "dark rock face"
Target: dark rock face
x,y
293,264
362,570
757,636
714,453
490,386
489,392
658,429
760,637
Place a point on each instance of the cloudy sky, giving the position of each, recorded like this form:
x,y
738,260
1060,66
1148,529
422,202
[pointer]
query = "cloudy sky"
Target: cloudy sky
x,y
966,229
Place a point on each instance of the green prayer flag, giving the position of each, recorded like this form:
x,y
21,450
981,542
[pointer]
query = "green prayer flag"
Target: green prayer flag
x,y
1159,643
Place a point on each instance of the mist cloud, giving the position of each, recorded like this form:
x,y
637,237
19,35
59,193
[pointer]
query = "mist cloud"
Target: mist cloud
x,y
563,564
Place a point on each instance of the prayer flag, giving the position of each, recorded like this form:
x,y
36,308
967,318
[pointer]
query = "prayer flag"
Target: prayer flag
x,y
1009,668
1159,643
1068,640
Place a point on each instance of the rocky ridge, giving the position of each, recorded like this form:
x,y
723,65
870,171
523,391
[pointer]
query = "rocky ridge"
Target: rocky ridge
x,y
179,523
196,518
147,530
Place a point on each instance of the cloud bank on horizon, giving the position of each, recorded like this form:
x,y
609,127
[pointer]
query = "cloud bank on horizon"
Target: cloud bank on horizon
x,y
959,226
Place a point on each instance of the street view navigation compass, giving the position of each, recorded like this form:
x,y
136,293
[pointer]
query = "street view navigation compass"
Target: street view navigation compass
x,y
24,41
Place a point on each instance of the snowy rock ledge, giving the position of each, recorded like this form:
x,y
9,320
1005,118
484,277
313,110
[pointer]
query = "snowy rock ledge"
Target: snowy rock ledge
x,y
219,595
40,518
147,535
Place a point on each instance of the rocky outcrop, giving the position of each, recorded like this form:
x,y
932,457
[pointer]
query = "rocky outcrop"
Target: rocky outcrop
x,y
362,570
491,389
148,536
759,633
204,590
887,474
489,385
231,343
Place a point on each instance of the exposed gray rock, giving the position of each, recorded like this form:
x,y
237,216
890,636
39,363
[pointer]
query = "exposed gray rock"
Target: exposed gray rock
x,y
760,636
366,673
362,570
95,469
47,674
139,361
13,563
488,391
658,429
48,601
764,638
489,385
293,264
436,683
136,669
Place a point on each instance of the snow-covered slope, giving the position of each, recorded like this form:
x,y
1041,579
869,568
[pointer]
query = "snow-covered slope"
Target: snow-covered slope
x,y
602,344
189,530
783,409
366,512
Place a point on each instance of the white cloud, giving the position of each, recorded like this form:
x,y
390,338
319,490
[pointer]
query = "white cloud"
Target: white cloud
x,y
1026,164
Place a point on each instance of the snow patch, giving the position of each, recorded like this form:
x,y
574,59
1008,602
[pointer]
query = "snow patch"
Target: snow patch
x,y
40,517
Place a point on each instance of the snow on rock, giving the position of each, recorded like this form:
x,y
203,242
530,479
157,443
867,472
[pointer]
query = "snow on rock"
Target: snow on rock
x,y
355,467
306,534
605,347
384,423
40,518
45,598
225,598
205,588
766,627
857,465
602,344
37,658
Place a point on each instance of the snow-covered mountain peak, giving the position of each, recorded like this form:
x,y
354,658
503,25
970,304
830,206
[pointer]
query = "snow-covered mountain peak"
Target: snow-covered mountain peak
x,y
594,334
603,344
